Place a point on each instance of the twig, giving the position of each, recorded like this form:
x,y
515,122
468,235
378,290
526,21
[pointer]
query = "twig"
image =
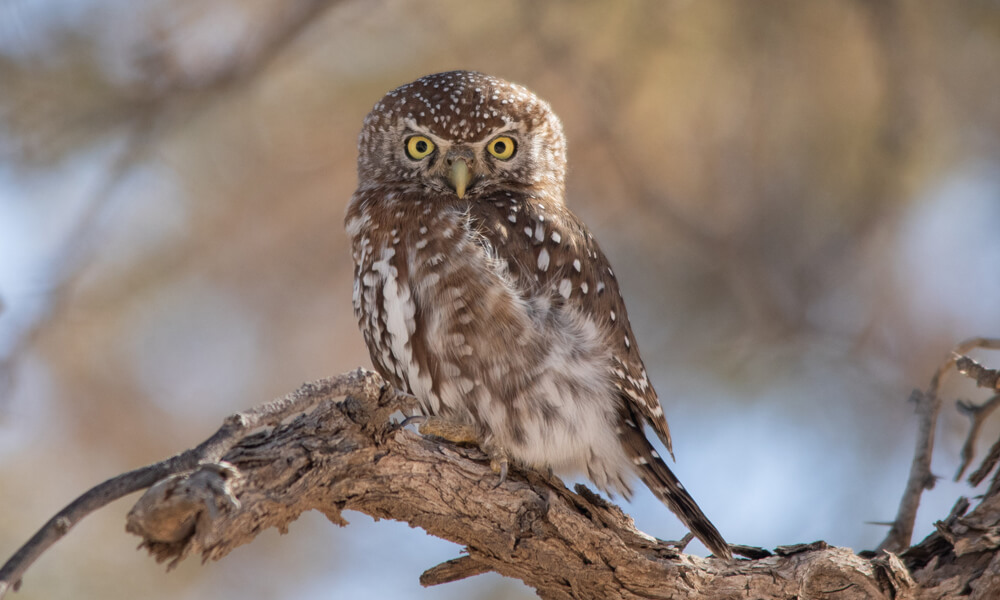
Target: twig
x,y
984,378
987,465
978,415
453,570
210,451
992,456
921,478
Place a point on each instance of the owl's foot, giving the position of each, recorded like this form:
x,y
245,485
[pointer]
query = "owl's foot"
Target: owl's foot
x,y
411,420
456,433
395,426
499,464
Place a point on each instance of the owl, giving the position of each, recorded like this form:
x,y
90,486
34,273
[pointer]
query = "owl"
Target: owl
x,y
480,293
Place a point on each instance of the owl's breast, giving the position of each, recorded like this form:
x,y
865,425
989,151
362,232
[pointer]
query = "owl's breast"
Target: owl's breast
x,y
404,251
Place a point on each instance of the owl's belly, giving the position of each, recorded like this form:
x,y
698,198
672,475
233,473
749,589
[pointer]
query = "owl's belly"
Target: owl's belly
x,y
531,377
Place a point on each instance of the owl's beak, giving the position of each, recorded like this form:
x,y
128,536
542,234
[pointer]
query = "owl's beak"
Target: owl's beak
x,y
459,176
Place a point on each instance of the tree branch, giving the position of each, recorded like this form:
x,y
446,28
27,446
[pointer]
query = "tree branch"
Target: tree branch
x,y
308,451
978,415
921,478
235,428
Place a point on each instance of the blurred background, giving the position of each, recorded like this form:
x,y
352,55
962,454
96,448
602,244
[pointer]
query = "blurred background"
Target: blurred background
x,y
801,200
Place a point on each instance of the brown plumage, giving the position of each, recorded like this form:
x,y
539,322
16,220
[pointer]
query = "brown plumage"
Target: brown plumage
x,y
480,293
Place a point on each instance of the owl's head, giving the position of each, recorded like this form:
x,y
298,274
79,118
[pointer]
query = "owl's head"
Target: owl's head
x,y
462,133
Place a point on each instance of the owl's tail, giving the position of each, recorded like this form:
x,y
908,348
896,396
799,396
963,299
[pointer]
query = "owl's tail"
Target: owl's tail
x,y
664,484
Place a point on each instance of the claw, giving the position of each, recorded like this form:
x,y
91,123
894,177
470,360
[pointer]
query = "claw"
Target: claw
x,y
412,419
499,465
393,427
460,433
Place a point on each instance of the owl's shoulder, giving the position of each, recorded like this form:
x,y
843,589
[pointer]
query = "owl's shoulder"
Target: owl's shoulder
x,y
544,240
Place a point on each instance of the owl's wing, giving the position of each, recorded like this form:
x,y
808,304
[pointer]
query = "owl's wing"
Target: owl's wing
x,y
549,250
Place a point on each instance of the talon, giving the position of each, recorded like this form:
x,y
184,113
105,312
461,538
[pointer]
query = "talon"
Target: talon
x,y
393,427
412,419
499,465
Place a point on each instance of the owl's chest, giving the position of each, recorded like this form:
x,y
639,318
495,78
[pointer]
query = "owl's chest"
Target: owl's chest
x,y
407,263
402,251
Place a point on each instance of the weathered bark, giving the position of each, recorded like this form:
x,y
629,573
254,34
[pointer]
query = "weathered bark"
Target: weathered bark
x,y
564,544
343,453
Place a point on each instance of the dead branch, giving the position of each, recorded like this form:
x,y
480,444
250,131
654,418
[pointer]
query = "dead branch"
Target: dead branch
x,y
209,453
928,408
265,467
984,378
978,415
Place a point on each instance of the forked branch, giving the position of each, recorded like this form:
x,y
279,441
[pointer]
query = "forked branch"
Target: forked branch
x,y
928,408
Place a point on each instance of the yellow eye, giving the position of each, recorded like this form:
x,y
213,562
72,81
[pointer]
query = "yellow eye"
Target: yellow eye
x,y
502,147
418,147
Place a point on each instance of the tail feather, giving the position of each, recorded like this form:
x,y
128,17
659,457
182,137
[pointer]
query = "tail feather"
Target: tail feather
x,y
664,484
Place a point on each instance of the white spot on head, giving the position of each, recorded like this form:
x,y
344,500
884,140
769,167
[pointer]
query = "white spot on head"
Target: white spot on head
x,y
527,231
628,344
512,218
584,288
556,237
539,232
565,288
612,312
576,264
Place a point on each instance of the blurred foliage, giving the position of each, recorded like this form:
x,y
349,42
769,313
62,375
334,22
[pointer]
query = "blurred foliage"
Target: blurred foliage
x,y
756,171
